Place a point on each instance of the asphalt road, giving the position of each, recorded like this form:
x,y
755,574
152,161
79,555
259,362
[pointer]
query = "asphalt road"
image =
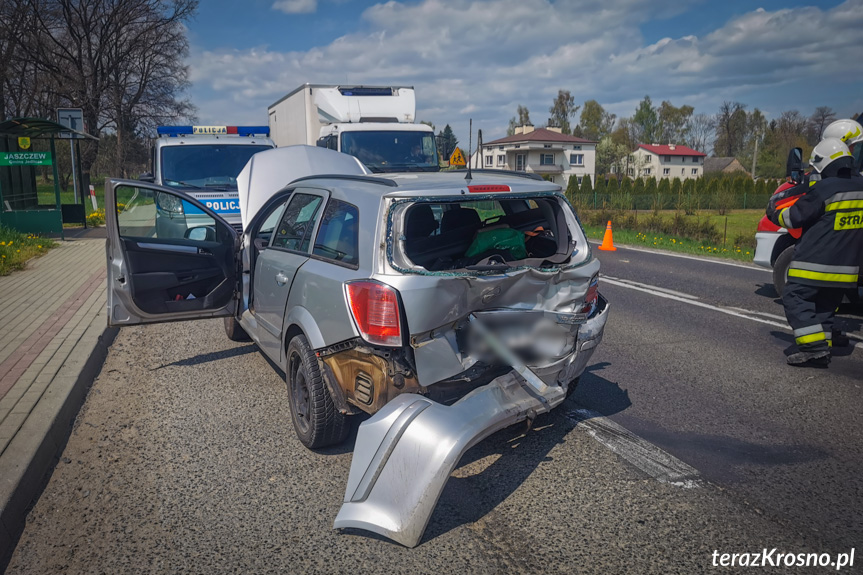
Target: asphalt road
x,y
183,458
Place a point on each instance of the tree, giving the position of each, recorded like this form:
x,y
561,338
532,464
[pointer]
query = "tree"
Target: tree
x,y
676,191
756,127
610,155
118,60
562,110
730,129
786,132
601,187
572,188
447,142
661,194
673,123
638,187
700,132
595,123
819,120
646,122
522,118
586,186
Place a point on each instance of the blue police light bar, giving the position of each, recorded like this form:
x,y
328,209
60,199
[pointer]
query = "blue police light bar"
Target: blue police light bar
x,y
176,131
253,131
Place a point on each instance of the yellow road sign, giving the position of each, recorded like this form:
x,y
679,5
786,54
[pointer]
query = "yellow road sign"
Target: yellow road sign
x,y
24,143
457,158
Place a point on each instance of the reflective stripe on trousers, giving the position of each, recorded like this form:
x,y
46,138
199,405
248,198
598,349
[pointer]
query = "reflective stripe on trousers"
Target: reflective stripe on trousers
x,y
823,272
811,334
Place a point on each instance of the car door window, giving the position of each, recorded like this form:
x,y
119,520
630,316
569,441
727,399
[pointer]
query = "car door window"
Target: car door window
x,y
295,230
265,232
338,235
146,213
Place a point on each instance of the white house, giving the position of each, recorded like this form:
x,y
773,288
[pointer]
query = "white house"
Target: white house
x,y
663,161
544,151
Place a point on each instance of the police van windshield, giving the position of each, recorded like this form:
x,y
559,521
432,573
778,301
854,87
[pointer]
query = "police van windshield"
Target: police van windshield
x,y
212,166
392,151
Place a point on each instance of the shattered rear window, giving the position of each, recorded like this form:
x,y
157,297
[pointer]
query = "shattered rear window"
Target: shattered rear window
x,y
488,234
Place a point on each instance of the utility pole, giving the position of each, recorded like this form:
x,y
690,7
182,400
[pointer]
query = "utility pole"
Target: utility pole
x,y
755,155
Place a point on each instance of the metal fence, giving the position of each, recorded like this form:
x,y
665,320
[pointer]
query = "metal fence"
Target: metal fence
x,y
688,202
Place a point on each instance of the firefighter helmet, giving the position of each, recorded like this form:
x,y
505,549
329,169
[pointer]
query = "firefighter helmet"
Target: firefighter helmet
x,y
848,131
826,152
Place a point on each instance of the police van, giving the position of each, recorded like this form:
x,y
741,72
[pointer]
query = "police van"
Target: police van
x,y
203,161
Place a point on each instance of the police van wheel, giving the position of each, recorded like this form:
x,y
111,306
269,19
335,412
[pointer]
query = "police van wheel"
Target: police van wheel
x,y
316,420
780,269
234,331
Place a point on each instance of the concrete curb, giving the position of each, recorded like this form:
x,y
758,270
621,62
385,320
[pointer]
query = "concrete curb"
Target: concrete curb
x,y
30,458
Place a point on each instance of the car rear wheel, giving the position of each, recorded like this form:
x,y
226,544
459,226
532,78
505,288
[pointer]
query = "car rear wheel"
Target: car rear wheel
x,y
234,331
316,420
780,269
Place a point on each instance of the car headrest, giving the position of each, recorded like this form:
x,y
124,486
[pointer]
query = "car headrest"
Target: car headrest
x,y
459,218
420,222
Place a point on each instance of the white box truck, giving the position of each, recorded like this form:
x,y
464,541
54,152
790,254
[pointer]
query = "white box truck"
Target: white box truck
x,y
373,123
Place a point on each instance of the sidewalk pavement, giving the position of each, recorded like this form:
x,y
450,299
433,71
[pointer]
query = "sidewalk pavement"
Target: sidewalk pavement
x,y
53,341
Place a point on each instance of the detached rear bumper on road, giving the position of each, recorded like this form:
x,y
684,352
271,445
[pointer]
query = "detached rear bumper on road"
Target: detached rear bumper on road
x,y
406,452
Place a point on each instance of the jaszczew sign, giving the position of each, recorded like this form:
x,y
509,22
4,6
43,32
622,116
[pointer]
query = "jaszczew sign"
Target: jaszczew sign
x,y
25,158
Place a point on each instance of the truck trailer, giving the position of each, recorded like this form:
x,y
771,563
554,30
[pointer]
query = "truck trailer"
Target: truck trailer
x,y
373,123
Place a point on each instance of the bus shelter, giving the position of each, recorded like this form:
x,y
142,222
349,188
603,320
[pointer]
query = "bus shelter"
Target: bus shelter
x,y
20,207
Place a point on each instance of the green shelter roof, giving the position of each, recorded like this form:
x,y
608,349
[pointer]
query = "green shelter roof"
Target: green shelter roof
x,y
36,128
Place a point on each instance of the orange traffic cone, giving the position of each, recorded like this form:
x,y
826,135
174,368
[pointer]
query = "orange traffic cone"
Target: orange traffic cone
x,y
607,240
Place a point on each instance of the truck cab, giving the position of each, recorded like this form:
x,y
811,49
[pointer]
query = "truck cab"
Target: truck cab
x,y
384,147
204,162
375,124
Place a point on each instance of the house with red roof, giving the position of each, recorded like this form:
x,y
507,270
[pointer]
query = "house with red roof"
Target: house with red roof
x,y
664,161
544,151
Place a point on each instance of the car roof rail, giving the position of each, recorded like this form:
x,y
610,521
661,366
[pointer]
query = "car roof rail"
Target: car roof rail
x,y
353,177
493,172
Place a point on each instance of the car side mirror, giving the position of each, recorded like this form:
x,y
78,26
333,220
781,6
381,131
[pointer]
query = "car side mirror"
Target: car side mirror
x,y
147,177
794,165
201,234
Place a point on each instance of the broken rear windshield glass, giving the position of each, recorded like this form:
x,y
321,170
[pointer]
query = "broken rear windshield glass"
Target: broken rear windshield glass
x,y
485,235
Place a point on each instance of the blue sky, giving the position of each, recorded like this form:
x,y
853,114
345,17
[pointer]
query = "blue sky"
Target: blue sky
x,y
481,59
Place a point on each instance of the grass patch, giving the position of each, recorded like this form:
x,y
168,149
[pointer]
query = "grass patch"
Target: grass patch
x,y
16,248
703,233
46,196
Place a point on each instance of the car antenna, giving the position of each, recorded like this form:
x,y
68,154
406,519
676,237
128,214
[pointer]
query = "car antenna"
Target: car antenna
x,y
468,177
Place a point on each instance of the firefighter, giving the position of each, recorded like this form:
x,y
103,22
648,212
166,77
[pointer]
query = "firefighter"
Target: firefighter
x,y
827,256
848,131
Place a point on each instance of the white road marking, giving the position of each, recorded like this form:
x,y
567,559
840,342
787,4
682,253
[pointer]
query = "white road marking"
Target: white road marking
x,y
647,457
692,300
689,299
650,287
688,257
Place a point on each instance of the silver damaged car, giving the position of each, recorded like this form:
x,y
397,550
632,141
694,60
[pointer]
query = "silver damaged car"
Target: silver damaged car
x,y
447,307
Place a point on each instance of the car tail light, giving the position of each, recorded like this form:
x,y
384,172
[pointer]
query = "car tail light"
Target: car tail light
x,y
592,295
375,308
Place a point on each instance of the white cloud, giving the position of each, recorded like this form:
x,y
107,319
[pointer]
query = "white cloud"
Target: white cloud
x,y
482,58
296,6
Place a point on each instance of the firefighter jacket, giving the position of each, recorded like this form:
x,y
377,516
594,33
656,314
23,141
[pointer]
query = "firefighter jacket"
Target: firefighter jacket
x,y
830,251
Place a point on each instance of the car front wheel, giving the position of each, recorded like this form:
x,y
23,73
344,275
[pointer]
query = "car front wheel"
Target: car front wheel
x,y
316,420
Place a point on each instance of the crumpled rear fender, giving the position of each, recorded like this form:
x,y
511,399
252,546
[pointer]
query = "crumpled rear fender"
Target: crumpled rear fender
x,y
405,453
